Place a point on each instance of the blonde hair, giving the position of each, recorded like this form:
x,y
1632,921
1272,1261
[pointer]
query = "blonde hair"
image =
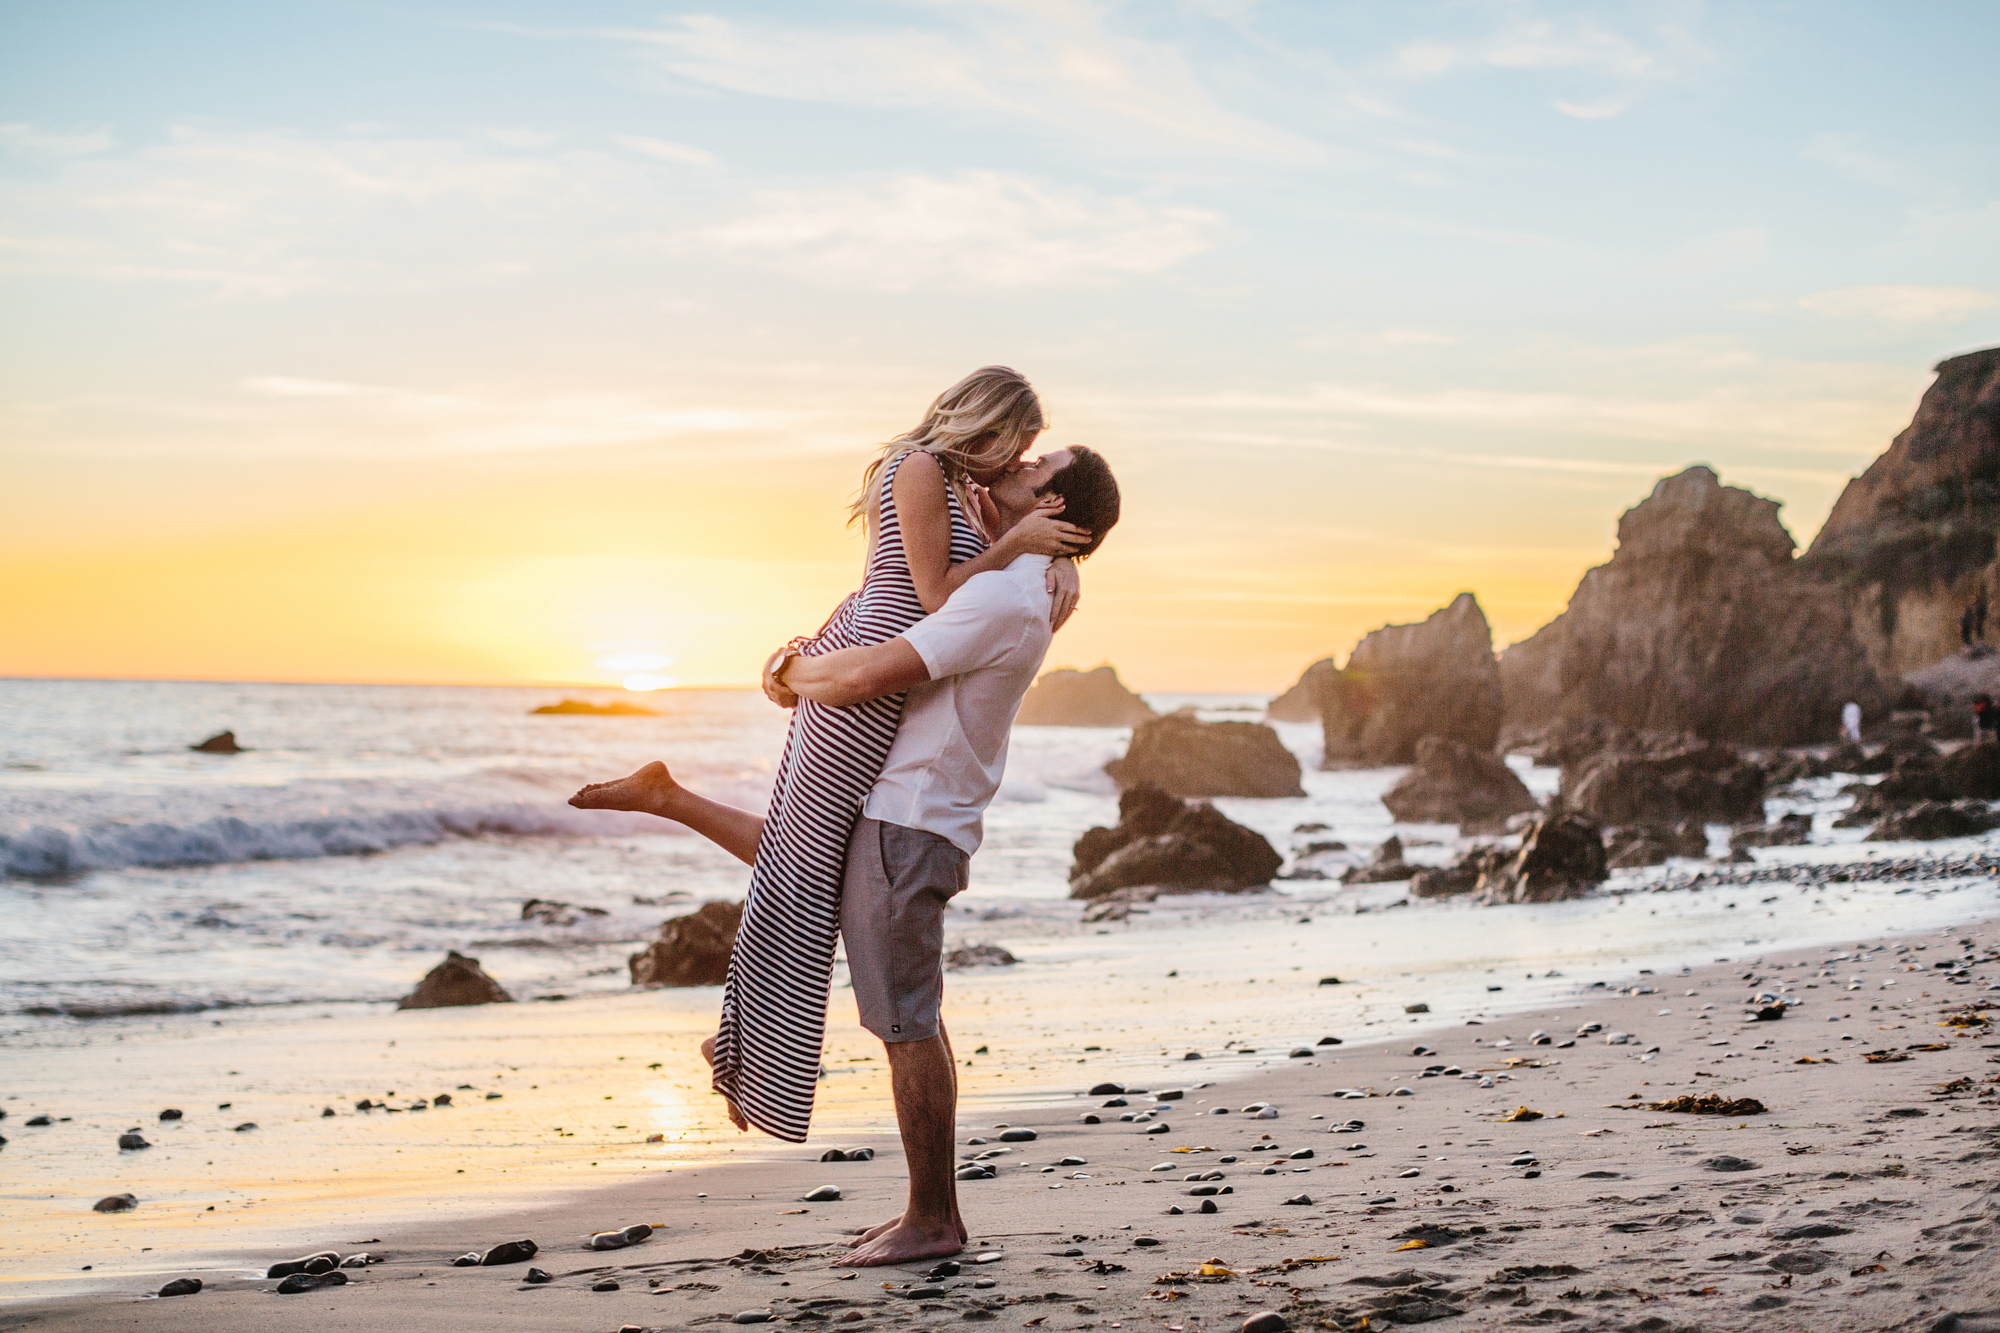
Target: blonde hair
x,y
978,424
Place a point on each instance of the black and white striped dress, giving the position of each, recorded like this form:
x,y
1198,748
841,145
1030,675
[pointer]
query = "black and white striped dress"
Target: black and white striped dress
x,y
767,1052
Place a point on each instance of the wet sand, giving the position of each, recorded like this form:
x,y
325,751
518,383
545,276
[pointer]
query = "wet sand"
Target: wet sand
x,y
1626,1218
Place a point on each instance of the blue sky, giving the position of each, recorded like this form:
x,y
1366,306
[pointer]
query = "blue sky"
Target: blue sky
x,y
1369,303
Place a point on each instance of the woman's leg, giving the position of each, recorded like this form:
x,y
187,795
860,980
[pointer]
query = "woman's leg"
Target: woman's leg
x,y
653,791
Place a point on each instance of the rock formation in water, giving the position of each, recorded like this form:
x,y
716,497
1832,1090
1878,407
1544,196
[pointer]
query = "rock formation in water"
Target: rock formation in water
x,y
1561,857
1701,624
1912,539
457,980
1452,783
222,742
1070,698
1385,865
1161,840
1405,682
1665,782
585,708
692,950
1188,757
1300,703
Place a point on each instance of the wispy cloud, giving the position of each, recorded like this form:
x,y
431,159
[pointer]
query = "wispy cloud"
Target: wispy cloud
x,y
661,148
978,228
1053,61
1900,304
1619,62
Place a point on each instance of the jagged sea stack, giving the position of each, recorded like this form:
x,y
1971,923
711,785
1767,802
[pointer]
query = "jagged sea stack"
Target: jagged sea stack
x,y
1405,682
1912,539
1701,624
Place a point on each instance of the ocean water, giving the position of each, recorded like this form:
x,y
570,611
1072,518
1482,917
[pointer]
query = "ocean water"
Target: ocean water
x,y
367,829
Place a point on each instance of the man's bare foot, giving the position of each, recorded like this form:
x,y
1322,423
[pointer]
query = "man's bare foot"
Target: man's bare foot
x,y
964,1236
902,1243
708,1052
650,791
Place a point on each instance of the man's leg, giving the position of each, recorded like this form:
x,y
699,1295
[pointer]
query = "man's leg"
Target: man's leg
x,y
926,1091
653,791
951,1178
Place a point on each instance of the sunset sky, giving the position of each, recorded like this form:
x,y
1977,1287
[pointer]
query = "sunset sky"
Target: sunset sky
x,y
508,342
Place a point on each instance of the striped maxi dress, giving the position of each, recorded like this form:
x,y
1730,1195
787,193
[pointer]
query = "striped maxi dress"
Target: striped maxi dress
x,y
767,1050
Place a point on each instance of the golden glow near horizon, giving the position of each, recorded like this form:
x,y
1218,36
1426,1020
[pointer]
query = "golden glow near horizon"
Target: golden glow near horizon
x,y
561,369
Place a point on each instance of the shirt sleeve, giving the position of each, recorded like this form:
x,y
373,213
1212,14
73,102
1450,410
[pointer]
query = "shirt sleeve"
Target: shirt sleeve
x,y
978,627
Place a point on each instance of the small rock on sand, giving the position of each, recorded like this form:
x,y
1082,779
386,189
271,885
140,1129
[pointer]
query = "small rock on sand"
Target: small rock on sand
x,y
170,1114
458,980
1265,1321
181,1286
116,1203
1727,1163
824,1194
303,1282
132,1142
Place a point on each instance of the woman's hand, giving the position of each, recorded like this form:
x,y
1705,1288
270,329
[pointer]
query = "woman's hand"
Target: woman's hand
x,y
1065,591
1042,533
773,689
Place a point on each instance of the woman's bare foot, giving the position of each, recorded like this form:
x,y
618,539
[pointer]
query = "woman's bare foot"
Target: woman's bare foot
x,y
650,791
708,1054
964,1236
901,1243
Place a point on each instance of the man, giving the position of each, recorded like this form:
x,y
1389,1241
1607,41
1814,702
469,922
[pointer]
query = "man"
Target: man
x,y
966,669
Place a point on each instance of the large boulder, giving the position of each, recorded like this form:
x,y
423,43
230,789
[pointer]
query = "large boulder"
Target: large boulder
x,y
457,980
1650,844
1930,820
1161,840
1912,540
1071,698
1561,857
1452,783
1665,783
1973,770
1405,682
1184,756
1703,624
692,950
1301,702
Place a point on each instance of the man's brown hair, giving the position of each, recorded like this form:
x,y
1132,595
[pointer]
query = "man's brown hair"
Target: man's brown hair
x,y
1089,493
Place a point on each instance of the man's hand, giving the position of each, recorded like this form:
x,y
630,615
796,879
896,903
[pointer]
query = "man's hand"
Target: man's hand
x,y
774,689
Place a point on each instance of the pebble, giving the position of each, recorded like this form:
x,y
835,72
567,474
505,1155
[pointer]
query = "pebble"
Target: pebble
x,y
442,1099
973,1171
1107,1090
949,1268
1329,981
1726,1163
1418,1008
989,1256
116,1203
170,1114
824,1194
470,1259
303,1282
1265,1321
987,1282
1170,1095
1525,1159
833,1155
1409,1174
1327,1041
1301,1053
606,1285
1159,1129
1301,1155
246,1126
1208,1206
37,1121
358,1261
926,1293
1072,1161
1174,1210
1404,1092
509,1252
1192,1055
1422,1050
1382,1198
1300,1199
1093,1120
1531,1175
1019,1136
181,1286
132,1141
325,1112
618,1240
324,1261
1145,1240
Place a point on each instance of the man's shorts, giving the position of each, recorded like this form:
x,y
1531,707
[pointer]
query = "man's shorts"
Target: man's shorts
x,y
892,900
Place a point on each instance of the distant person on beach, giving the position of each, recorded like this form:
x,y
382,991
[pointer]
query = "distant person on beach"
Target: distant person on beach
x,y
963,672
1985,719
1850,723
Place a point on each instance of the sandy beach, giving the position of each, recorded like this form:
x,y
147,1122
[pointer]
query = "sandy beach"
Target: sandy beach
x,y
1863,1197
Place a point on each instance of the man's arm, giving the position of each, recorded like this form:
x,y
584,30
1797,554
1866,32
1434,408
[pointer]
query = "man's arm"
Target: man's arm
x,y
854,675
